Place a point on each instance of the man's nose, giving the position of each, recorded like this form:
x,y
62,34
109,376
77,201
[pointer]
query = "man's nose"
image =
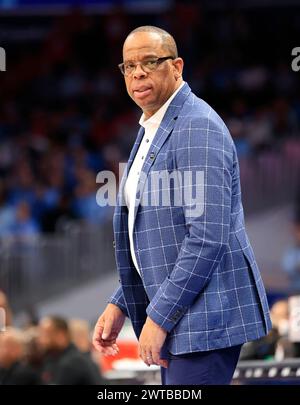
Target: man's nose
x,y
139,72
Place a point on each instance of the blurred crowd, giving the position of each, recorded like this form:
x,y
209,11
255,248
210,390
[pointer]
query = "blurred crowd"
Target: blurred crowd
x,y
283,341
65,114
52,351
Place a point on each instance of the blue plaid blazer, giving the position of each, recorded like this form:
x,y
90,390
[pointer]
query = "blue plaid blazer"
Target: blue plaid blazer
x,y
199,278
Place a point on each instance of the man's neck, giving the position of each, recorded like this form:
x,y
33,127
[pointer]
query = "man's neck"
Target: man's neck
x,y
149,114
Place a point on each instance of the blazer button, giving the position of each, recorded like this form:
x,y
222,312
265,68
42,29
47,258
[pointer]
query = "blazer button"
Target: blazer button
x,y
176,316
114,243
152,155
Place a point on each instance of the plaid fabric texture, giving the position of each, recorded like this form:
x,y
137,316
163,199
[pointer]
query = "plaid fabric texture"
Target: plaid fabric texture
x,y
199,278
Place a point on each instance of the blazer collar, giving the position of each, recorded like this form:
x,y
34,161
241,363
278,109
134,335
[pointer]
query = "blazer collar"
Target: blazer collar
x,y
163,132
165,127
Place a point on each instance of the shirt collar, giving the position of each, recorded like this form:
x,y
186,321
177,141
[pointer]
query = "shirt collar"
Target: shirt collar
x,y
155,119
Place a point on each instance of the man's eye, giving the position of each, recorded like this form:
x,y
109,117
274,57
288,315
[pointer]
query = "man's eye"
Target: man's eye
x,y
150,63
129,66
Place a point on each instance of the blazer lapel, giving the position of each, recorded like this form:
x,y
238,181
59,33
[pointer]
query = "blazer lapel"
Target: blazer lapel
x,y
161,135
135,148
120,198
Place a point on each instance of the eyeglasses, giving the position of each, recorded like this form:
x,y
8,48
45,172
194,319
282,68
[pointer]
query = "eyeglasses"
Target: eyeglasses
x,y
148,65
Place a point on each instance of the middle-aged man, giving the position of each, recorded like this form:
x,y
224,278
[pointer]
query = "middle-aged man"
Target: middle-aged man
x,y
188,278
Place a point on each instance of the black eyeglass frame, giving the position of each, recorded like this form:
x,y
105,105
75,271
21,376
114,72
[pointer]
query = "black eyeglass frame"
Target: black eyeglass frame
x,y
158,61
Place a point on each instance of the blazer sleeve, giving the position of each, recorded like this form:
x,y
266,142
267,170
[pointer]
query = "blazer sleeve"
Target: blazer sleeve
x,y
204,145
118,299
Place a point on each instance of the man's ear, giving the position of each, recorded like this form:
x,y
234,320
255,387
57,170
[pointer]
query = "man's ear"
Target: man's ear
x,y
178,65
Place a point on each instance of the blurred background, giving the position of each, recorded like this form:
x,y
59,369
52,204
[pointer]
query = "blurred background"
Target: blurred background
x,y
65,115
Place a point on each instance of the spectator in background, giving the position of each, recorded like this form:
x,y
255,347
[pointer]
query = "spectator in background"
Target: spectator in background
x,y
13,370
266,347
64,363
81,337
33,353
280,317
291,260
24,227
280,320
5,305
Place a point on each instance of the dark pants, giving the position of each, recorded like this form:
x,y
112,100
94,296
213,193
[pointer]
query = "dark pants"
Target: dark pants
x,y
215,367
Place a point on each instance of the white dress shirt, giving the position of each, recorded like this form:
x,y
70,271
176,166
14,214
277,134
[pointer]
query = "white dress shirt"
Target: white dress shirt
x,y
151,126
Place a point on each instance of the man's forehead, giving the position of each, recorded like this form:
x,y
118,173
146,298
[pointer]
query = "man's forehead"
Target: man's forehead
x,y
142,43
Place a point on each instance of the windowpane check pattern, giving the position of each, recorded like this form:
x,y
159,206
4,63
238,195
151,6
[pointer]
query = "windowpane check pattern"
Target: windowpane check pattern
x,y
199,279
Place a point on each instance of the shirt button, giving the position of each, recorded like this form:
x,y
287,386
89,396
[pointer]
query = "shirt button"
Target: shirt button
x,y
143,157
147,140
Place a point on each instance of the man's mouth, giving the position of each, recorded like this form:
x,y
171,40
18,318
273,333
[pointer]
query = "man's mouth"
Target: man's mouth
x,y
142,92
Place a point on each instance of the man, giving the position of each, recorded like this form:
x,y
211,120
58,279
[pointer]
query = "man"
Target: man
x,y
13,369
189,281
64,363
81,337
